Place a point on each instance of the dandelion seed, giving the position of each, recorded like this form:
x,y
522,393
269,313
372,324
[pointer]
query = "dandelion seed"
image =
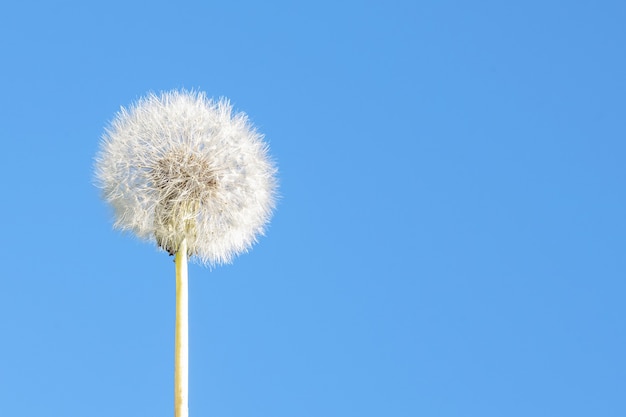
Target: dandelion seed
x,y
180,166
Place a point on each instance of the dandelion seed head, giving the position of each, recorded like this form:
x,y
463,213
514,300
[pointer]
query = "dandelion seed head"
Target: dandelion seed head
x,y
179,165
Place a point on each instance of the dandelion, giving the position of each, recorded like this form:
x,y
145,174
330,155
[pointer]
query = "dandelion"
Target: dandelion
x,y
192,176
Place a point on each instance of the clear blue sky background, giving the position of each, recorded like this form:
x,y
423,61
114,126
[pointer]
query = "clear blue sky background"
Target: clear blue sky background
x,y
450,239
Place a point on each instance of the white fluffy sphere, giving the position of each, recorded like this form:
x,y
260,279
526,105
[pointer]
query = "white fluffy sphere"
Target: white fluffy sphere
x,y
178,165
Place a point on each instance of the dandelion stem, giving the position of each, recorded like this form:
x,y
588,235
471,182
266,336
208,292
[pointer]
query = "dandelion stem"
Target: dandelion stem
x,y
181,344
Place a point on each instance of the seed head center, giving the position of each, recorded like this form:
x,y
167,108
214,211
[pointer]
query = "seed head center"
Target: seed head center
x,y
182,180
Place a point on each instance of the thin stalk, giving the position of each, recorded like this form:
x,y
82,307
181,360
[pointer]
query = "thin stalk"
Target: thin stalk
x,y
181,343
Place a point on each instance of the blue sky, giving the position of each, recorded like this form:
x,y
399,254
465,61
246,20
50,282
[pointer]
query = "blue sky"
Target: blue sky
x,y
451,234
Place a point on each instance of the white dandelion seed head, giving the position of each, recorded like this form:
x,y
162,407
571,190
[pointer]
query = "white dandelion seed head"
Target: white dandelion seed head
x,y
179,165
